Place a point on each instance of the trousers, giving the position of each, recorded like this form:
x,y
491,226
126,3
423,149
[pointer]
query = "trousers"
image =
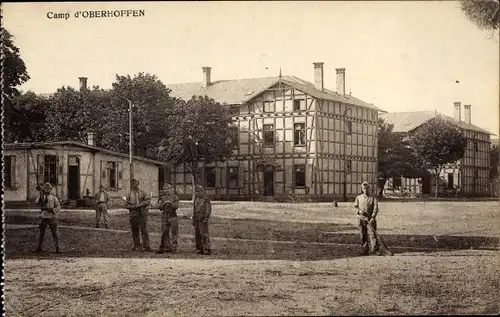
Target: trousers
x,y
139,227
169,229
101,210
52,224
368,239
202,237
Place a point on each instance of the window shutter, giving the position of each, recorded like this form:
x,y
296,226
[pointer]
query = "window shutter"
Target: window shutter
x,y
13,179
40,166
103,173
60,169
119,172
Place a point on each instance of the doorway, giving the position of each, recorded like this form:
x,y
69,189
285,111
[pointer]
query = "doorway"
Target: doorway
x,y
426,184
73,178
269,180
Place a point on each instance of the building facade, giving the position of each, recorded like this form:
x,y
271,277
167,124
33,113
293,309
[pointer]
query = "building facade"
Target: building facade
x,y
292,137
75,171
466,177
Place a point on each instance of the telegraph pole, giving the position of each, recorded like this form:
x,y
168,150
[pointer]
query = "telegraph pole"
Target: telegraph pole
x,y
130,106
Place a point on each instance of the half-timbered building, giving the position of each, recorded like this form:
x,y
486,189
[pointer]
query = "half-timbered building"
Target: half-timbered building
x,y
292,137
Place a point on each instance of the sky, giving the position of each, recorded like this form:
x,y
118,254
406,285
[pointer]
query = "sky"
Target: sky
x,y
398,55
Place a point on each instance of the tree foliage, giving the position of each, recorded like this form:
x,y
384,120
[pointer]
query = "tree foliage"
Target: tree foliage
x,y
483,13
25,118
198,133
395,156
14,72
436,143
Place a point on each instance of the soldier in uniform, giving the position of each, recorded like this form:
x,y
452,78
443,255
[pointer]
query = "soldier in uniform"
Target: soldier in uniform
x,y
367,209
202,209
137,203
168,204
101,200
50,206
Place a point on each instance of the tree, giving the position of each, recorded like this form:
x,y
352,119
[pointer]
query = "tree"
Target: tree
x,y
483,13
436,143
395,156
25,118
198,133
14,71
151,103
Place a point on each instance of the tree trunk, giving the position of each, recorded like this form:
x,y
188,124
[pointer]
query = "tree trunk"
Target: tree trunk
x,y
193,179
437,172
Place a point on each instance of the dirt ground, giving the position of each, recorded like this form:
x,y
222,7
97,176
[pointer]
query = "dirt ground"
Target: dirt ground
x,y
269,259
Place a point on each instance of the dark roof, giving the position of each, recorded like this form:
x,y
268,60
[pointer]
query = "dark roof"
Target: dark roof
x,y
19,146
239,91
408,121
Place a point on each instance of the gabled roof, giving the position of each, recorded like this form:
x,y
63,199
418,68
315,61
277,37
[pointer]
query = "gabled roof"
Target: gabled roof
x,y
19,146
239,91
408,121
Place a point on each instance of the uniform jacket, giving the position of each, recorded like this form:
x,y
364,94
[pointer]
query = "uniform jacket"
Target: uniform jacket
x,y
202,208
143,201
367,206
169,209
49,205
97,197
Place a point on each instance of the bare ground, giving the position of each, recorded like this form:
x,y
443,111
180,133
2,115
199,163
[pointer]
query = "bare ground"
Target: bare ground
x,y
299,262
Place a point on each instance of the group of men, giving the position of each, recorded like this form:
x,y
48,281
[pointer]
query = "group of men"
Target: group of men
x,y
138,203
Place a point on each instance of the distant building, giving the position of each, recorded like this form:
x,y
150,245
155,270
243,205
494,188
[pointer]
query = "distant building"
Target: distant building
x,y
468,176
74,169
290,137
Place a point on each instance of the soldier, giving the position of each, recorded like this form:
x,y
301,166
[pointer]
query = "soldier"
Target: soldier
x,y
168,203
367,210
50,206
101,200
202,209
137,202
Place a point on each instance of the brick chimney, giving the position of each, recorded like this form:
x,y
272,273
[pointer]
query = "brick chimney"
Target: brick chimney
x,y
91,138
467,114
206,76
340,81
458,110
83,83
318,76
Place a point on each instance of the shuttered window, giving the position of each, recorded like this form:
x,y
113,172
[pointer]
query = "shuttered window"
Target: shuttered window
x,y
10,171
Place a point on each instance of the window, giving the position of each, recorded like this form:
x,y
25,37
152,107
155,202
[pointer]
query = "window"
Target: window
x,y
9,162
233,136
49,171
299,104
268,135
112,175
476,146
348,126
232,177
234,110
300,175
299,137
268,106
348,166
209,177
450,180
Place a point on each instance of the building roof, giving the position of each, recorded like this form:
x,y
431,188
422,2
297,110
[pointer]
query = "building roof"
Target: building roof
x,y
408,121
495,142
239,91
19,146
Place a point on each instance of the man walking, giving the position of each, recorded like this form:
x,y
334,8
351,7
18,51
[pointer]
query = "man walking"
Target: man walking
x,y
49,207
101,200
202,209
168,203
367,210
137,203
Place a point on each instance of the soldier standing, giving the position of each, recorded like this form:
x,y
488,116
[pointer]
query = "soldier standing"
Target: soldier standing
x,y
168,203
202,209
101,200
50,206
367,210
137,203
